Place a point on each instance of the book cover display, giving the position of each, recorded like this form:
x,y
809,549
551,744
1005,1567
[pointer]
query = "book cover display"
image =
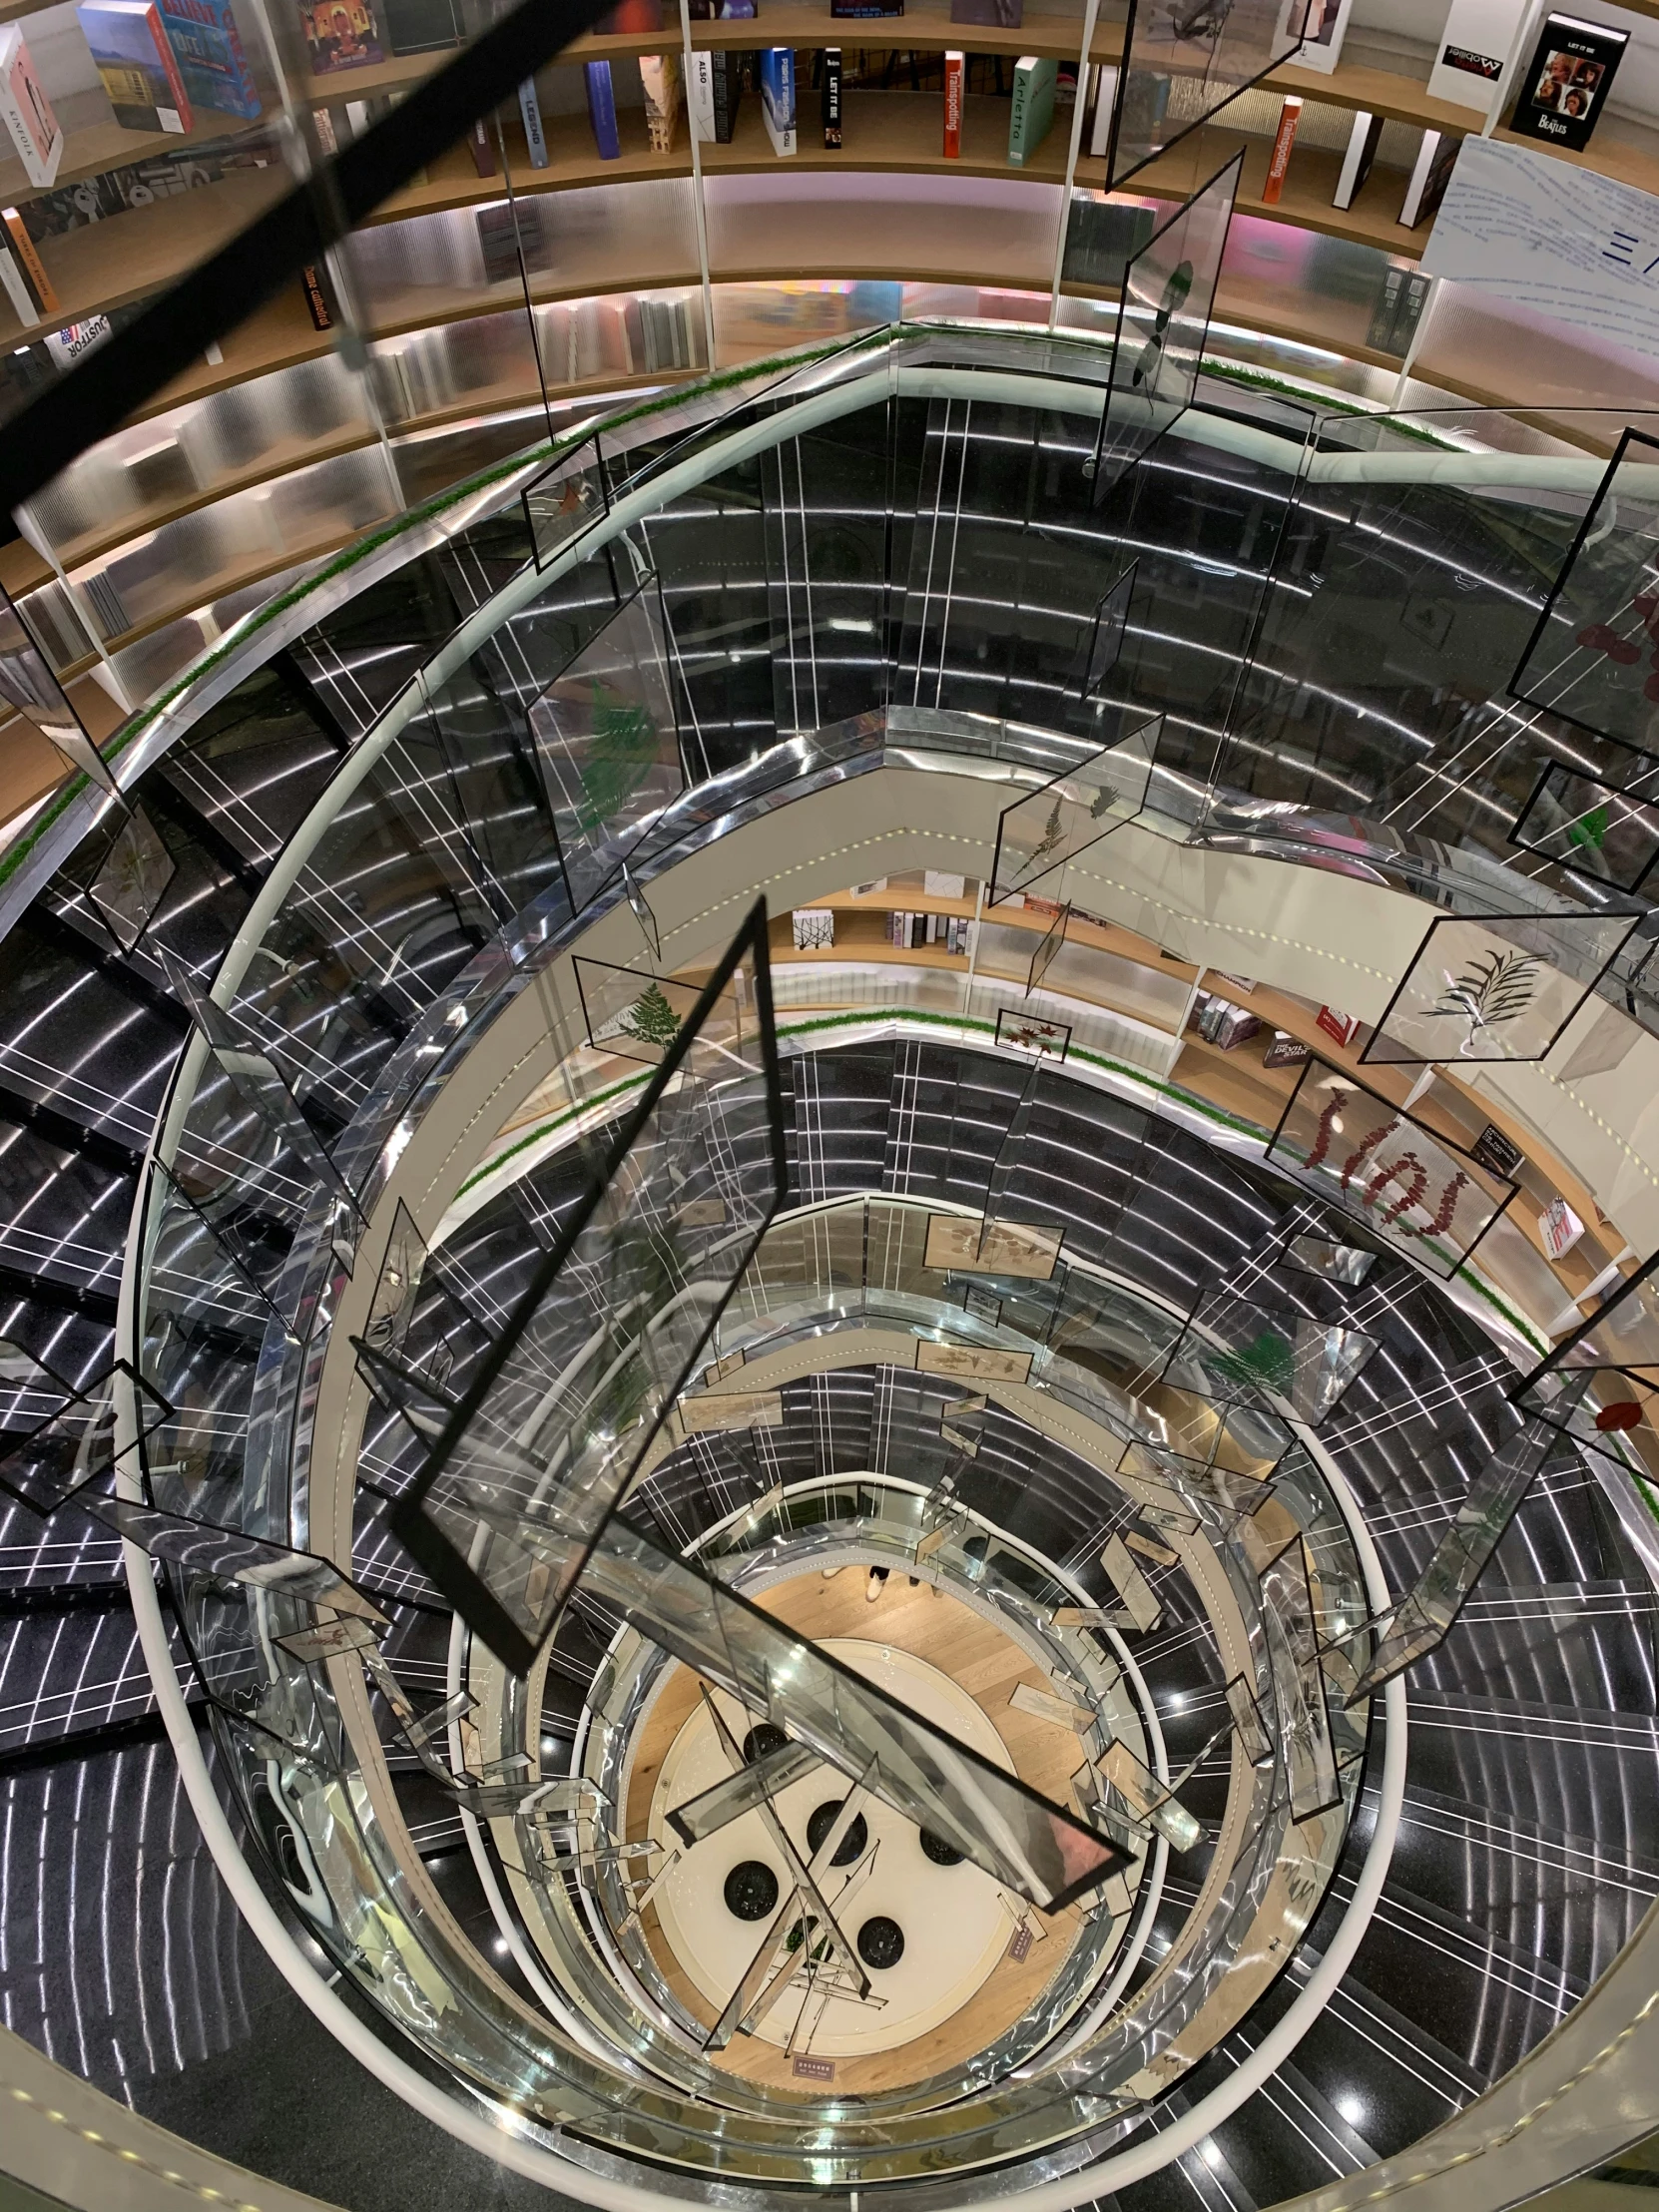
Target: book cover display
x,y
136,66
1322,33
208,48
1473,48
1564,87
34,130
1032,108
664,91
777,97
420,26
341,34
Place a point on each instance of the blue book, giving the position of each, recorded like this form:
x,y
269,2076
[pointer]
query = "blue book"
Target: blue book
x,y
208,48
777,96
602,109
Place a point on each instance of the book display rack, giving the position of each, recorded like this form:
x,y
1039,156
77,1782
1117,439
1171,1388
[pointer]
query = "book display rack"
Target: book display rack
x,y
654,231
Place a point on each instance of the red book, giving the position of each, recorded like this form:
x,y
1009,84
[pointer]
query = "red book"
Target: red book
x,y
955,69
1290,115
1344,1027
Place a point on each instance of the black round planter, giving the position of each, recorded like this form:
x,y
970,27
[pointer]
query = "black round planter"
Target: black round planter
x,y
851,1845
751,1891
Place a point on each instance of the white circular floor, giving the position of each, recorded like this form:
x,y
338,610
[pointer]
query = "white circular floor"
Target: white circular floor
x,y
954,1922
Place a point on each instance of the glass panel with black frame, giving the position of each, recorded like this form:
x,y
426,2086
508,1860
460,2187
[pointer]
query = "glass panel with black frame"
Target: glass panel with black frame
x,y
1183,60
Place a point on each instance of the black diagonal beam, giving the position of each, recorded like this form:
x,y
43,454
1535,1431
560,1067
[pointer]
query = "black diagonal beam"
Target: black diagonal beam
x,y
105,388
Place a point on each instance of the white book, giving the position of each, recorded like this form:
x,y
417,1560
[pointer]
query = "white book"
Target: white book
x,y
1419,179
535,137
1106,93
17,291
1362,150
701,99
1472,51
26,112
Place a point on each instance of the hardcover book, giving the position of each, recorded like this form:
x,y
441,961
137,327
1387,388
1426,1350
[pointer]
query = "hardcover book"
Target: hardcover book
x,y
1362,141
35,129
1472,49
420,26
1032,108
660,75
860,8
1102,239
1322,31
317,300
29,263
340,34
481,145
1565,85
830,90
629,17
602,109
721,11
208,48
1279,161
1437,157
955,75
505,230
727,91
1105,86
777,97
136,66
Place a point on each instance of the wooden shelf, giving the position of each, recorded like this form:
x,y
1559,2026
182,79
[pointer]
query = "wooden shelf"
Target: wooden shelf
x,y
1045,32
1380,92
573,161
106,146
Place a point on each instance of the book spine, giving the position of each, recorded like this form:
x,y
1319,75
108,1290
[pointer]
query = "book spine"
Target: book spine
x,y
728,91
17,291
602,109
1290,115
700,97
479,146
529,109
1106,92
955,70
1387,310
34,273
1419,179
1017,113
316,299
1362,145
1414,295
832,96
169,64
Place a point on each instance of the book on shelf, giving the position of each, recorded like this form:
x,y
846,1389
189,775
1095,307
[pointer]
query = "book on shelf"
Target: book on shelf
x,y
1323,30
1102,239
505,231
1105,93
664,90
721,11
481,145
420,26
777,97
1032,108
700,95
17,291
602,109
1564,87
35,131
529,113
30,264
829,97
1279,161
1363,142
1437,157
340,34
1400,304
727,92
208,48
67,345
327,137
861,8
628,18
955,78
1004,14
658,334
1472,49
136,66
317,300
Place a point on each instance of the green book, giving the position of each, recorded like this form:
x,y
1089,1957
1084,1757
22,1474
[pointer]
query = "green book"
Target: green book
x,y
1033,109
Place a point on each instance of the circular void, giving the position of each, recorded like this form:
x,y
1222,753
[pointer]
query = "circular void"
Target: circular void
x,y
765,1737
751,1891
880,1941
936,1848
851,1845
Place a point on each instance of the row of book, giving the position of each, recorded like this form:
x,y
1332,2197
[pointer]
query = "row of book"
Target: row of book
x,y
578,342
909,932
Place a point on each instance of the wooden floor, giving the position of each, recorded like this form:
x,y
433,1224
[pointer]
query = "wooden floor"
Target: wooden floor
x,y
981,1659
